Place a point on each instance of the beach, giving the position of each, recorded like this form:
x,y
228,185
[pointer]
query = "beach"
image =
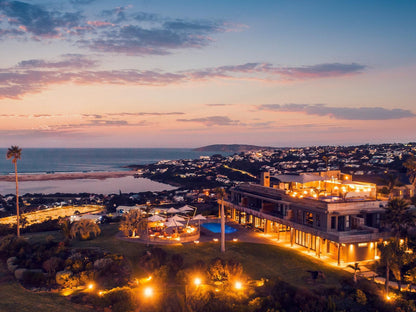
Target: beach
x,y
67,176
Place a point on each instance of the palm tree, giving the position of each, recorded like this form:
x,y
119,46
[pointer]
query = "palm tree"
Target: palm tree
x,y
325,159
391,181
398,217
387,253
410,165
356,268
220,195
85,229
15,153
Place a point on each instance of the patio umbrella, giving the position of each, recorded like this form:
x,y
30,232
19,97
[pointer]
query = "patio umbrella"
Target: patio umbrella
x,y
172,223
176,218
155,218
199,217
186,208
172,210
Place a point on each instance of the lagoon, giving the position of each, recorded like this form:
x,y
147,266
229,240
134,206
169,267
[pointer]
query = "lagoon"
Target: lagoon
x,y
127,184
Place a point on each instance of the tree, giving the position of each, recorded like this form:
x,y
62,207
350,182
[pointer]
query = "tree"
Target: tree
x,y
396,257
130,223
221,195
391,181
398,217
387,253
410,165
65,225
85,229
325,159
15,153
356,268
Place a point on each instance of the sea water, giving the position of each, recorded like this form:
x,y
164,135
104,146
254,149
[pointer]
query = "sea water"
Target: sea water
x,y
61,160
44,160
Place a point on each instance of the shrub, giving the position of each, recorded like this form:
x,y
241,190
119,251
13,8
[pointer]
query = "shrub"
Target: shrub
x,y
85,229
52,265
11,245
360,297
33,278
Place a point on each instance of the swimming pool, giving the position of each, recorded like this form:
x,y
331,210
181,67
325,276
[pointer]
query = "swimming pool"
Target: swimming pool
x,y
216,228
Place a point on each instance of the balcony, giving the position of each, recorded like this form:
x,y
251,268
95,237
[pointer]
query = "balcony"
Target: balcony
x,y
366,234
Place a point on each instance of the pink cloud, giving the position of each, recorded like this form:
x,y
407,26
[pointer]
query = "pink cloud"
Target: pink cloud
x,y
33,76
99,23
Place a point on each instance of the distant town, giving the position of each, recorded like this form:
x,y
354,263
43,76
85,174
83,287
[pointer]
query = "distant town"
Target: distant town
x,y
196,179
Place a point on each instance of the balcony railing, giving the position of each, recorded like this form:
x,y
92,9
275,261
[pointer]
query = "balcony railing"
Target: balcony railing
x,y
352,236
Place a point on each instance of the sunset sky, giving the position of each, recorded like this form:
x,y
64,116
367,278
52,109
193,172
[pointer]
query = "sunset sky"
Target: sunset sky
x,y
85,73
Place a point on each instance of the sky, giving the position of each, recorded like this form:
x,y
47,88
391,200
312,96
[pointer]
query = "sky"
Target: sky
x,y
189,73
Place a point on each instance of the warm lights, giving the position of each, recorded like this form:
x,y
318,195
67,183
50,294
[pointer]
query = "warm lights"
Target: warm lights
x,y
148,292
197,281
238,285
90,286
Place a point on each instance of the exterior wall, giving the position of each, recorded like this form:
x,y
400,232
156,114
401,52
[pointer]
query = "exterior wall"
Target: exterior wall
x,y
359,252
308,223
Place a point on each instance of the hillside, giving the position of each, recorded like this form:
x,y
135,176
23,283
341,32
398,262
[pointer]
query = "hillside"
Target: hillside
x,y
232,148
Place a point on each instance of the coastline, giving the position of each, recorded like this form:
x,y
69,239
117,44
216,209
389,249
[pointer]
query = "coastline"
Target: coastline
x,y
68,176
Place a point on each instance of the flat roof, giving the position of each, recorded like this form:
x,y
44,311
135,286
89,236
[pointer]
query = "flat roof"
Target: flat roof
x,y
298,178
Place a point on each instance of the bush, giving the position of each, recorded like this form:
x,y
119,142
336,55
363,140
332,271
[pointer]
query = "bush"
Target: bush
x,y
6,229
11,246
85,229
49,225
33,278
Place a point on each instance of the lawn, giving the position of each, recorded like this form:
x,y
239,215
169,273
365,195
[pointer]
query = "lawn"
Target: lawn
x,y
14,297
259,261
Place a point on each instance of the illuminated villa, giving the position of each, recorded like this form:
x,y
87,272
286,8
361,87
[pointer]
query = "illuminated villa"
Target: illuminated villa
x,y
325,212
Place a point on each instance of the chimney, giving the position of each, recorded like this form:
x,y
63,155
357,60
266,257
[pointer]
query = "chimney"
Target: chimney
x,y
265,178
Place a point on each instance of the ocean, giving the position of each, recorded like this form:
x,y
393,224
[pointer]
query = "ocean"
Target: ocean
x,y
43,160
61,160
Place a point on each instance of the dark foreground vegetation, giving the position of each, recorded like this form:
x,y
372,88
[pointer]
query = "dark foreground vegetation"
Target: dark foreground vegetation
x,y
109,274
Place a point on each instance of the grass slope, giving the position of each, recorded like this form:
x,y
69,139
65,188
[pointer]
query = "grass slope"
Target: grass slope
x,y
259,261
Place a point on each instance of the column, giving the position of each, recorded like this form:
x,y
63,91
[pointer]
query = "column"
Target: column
x,y
292,230
278,231
339,253
318,246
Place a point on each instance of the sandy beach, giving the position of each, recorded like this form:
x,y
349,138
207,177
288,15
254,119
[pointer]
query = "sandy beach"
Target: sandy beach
x,y
67,176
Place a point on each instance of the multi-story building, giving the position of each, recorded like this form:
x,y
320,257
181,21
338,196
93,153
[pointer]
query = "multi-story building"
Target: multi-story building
x,y
325,212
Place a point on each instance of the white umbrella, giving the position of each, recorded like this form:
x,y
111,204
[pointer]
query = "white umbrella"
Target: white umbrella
x,y
173,210
172,223
155,218
199,217
186,208
176,218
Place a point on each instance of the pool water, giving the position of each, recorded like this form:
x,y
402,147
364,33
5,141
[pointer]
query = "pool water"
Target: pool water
x,y
216,228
